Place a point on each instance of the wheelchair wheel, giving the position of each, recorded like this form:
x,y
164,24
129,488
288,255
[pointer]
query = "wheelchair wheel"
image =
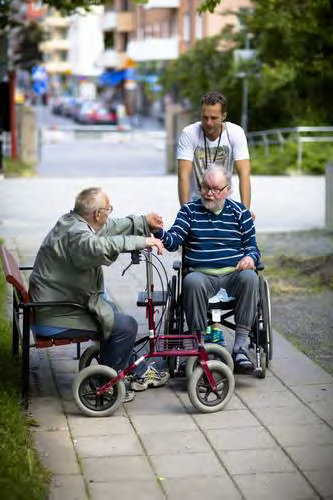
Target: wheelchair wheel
x,y
84,389
89,356
263,364
199,390
266,318
214,351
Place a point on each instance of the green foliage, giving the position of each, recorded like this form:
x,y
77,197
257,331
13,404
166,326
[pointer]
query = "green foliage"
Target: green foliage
x,y
22,475
282,162
294,42
28,52
291,80
201,69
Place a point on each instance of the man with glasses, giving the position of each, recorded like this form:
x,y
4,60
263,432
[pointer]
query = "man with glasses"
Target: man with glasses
x,y
212,141
220,251
68,267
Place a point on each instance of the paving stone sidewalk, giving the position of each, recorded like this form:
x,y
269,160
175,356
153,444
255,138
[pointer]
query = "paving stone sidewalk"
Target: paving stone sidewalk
x,y
274,440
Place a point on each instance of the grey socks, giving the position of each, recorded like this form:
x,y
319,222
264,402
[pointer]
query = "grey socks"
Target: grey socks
x,y
241,338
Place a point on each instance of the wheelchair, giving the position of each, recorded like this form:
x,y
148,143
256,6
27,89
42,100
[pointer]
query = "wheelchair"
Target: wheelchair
x,y
221,310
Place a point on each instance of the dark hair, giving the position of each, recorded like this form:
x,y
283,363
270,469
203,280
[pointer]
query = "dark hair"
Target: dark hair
x,y
214,97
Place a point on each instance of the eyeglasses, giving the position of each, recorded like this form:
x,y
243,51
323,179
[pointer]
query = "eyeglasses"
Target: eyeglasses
x,y
107,209
216,191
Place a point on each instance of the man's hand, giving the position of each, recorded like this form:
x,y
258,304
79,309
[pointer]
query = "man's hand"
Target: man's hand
x,y
155,242
155,221
245,263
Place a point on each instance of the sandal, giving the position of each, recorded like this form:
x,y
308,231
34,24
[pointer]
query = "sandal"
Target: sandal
x,y
242,362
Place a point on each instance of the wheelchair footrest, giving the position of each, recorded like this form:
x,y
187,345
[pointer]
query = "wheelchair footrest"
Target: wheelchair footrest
x,y
159,298
181,342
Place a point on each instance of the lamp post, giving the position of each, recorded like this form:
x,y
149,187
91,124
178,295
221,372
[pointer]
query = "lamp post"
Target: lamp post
x,y
241,56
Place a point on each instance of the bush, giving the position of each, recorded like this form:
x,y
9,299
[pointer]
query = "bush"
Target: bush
x,y
281,162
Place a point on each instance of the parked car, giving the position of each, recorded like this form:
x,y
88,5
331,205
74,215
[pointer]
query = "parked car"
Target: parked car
x,y
106,116
94,112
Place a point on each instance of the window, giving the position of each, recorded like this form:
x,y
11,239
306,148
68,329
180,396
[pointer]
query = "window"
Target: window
x,y
198,27
186,28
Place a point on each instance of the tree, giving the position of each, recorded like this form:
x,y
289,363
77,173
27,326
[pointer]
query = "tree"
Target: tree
x,y
204,67
294,42
28,52
68,7
292,80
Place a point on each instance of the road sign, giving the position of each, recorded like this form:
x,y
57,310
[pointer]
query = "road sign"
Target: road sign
x,y
39,73
40,87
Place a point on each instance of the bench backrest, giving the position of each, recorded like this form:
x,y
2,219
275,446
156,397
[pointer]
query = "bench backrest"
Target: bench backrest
x,y
13,274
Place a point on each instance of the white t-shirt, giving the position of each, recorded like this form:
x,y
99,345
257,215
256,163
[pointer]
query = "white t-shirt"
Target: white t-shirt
x,y
191,146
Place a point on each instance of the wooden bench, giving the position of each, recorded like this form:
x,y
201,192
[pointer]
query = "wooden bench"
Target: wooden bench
x,y
22,317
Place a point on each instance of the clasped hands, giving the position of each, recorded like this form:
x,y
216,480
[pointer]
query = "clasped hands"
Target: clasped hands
x,y
155,221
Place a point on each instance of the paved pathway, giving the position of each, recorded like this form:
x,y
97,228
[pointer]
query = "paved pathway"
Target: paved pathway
x,y
274,440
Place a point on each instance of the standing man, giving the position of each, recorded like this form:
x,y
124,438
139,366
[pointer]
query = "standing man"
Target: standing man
x,y
212,141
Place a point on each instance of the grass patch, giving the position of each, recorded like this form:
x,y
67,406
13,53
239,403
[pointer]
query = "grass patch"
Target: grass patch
x,y
22,475
305,275
17,168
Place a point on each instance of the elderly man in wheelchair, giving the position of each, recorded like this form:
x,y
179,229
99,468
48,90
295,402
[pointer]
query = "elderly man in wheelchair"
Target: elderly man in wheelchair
x,y
219,251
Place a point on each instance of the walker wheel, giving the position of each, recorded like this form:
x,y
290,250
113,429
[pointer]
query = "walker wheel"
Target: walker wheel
x,y
214,351
87,381
200,393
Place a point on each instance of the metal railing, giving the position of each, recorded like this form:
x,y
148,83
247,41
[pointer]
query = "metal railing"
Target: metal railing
x,y
298,135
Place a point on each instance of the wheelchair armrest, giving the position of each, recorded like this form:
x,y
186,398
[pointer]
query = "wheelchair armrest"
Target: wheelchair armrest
x,y
177,265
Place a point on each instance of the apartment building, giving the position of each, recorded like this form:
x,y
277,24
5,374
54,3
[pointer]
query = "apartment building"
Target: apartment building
x,y
55,49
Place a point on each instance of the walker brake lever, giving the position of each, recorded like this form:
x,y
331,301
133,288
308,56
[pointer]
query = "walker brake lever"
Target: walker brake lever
x,y
135,259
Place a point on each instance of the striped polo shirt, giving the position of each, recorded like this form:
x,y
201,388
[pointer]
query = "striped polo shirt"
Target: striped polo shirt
x,y
212,240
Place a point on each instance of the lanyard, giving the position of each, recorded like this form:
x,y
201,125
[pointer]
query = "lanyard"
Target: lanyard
x,y
218,144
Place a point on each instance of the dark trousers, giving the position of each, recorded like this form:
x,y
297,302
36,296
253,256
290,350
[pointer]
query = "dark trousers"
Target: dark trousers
x,y
117,349
198,288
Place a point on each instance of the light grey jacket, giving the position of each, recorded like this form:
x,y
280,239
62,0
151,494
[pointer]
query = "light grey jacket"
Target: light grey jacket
x,y
68,268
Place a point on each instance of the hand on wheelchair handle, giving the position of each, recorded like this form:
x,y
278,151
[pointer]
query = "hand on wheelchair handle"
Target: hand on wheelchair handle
x,y
155,242
245,263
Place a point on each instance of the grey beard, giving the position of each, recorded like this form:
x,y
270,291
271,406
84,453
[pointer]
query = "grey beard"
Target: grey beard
x,y
212,206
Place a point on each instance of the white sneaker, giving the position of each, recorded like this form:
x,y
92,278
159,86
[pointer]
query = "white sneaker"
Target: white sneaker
x,y
129,396
151,378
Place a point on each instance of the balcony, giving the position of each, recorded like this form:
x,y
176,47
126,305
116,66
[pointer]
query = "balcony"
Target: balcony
x,y
109,21
58,67
109,59
56,22
55,44
154,49
125,22
162,4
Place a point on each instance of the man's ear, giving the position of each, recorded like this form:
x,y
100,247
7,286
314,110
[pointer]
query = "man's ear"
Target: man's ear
x,y
224,116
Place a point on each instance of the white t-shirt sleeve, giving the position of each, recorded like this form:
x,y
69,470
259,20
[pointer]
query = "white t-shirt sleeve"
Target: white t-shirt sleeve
x,y
240,148
186,147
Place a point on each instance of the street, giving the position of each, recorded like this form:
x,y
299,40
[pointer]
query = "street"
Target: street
x,y
71,150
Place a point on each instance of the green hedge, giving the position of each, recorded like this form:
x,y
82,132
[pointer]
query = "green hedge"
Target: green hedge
x,y
276,162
